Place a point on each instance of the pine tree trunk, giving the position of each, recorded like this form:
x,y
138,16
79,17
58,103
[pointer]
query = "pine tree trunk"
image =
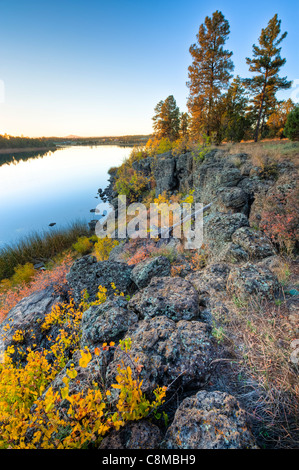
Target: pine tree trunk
x,y
256,133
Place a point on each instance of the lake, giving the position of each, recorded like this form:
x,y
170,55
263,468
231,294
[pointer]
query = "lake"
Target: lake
x,y
58,187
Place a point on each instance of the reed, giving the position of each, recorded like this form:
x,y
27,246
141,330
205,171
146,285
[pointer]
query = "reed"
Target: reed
x,y
40,246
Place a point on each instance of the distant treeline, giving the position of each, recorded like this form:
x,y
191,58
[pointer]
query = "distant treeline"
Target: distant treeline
x,y
11,142
130,140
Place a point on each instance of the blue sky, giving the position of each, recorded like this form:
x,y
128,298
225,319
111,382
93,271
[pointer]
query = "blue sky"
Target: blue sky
x,y
95,68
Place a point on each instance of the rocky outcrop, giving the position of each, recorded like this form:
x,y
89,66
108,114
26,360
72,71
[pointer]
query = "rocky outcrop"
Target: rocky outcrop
x,y
169,351
219,228
249,280
143,272
87,273
26,318
255,243
209,420
106,322
139,435
173,297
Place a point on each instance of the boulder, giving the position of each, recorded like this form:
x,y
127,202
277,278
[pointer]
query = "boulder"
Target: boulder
x,y
27,317
87,273
106,322
173,297
250,279
210,280
255,243
139,435
233,199
232,253
219,228
143,272
169,352
209,420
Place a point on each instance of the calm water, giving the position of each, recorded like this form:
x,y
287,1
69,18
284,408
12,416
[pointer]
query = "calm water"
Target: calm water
x,y
59,187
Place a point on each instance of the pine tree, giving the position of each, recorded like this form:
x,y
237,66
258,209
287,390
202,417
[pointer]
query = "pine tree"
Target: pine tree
x,y
209,73
235,122
277,120
184,124
265,64
167,119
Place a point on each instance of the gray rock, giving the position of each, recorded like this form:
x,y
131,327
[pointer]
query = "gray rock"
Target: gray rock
x,y
218,229
249,279
232,253
210,280
215,172
169,352
139,435
209,420
163,169
173,297
106,322
87,273
27,317
153,267
233,199
255,243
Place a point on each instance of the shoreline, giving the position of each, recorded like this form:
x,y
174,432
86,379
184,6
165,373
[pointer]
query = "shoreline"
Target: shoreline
x,y
25,149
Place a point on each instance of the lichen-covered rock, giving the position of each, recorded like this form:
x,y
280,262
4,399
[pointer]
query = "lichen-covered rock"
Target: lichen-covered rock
x,y
27,317
250,279
173,297
163,169
87,273
212,279
255,243
211,286
233,199
209,420
143,272
184,171
106,322
219,228
168,352
215,172
232,253
139,435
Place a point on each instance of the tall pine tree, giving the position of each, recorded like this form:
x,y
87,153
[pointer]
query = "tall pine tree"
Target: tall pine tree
x,y
265,64
209,74
167,119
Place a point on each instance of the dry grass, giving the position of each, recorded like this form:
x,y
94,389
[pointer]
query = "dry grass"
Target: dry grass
x,y
259,335
39,245
262,152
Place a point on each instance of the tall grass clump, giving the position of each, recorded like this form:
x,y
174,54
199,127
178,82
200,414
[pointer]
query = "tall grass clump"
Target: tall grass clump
x,y
39,245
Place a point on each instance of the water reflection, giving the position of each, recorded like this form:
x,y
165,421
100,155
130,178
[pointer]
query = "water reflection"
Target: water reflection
x,y
56,188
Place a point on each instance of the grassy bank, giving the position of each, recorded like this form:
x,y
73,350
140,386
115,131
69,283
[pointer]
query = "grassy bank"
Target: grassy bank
x,y
39,246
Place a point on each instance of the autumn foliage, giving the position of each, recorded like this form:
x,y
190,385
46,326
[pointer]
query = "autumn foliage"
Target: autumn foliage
x,y
34,415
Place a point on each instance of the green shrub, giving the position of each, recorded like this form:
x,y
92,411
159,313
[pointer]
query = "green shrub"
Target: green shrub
x,y
83,245
291,129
